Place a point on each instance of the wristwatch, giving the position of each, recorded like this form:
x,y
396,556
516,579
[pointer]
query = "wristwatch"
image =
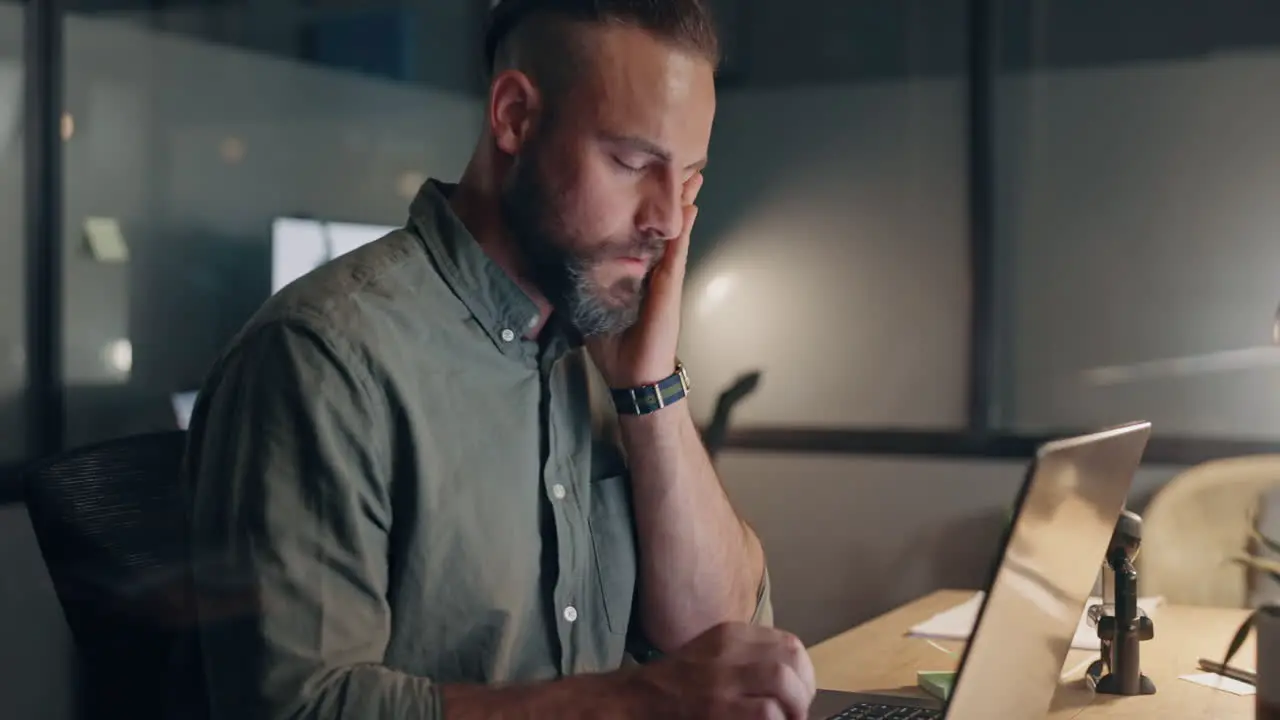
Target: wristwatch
x,y
645,399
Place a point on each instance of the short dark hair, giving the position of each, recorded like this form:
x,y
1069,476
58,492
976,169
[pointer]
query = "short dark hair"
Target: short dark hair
x,y
687,24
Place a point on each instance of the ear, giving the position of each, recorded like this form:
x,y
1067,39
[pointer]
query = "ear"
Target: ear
x,y
514,103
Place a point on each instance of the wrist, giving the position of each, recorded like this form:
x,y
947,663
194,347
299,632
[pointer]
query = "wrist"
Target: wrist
x,y
634,695
671,416
641,376
659,432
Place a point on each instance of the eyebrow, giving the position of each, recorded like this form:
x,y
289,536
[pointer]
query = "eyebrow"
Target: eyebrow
x,y
651,148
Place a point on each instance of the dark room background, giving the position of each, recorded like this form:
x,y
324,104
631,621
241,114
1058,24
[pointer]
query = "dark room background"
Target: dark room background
x,y
940,228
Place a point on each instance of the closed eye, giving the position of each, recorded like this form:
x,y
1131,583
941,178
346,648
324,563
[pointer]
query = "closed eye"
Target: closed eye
x,y
628,167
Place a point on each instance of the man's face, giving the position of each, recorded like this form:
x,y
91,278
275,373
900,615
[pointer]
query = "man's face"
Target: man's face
x,y
594,194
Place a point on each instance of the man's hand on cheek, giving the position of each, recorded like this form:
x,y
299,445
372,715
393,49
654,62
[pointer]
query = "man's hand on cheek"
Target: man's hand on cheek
x,y
645,353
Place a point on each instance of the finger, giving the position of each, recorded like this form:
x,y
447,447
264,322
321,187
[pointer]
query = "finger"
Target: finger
x,y
692,187
794,654
667,279
779,681
763,644
754,708
807,674
680,251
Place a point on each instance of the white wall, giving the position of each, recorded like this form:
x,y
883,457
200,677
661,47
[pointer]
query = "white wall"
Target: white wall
x,y
831,252
1143,246
1139,241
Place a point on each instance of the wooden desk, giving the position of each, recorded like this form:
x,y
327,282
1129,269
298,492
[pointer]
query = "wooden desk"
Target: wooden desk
x,y
877,656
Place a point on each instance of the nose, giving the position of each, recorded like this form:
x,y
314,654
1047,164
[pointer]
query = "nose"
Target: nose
x,y
660,213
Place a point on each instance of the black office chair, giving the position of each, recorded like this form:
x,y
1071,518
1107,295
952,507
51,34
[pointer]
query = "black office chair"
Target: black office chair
x,y
110,522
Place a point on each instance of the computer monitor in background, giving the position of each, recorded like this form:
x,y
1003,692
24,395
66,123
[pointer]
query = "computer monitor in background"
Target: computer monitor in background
x,y
183,404
300,245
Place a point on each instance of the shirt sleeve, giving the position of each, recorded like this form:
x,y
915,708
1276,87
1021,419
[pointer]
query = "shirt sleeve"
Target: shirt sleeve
x,y
764,602
290,465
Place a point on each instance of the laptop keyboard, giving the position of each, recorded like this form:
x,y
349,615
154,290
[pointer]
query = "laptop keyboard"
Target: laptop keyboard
x,y
872,711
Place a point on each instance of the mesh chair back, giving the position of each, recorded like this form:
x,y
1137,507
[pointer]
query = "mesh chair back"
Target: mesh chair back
x,y
110,522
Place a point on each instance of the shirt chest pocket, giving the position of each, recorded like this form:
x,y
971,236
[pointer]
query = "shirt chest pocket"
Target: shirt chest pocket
x,y
613,541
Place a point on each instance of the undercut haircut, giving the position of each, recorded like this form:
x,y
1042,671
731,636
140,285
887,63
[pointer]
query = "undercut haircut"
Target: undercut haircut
x,y
541,37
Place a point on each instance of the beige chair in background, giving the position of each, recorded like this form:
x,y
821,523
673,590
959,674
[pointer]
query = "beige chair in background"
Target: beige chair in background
x,y
1196,524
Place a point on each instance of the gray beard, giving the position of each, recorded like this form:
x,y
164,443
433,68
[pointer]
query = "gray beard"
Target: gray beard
x,y
591,314
566,279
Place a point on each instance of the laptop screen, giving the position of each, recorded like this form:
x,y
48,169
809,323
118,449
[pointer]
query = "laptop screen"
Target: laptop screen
x,y
1054,548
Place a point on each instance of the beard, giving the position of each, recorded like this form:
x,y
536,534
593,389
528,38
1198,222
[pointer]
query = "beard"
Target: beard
x,y
562,264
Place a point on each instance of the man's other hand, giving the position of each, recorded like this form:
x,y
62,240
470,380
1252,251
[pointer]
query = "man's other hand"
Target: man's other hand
x,y
734,671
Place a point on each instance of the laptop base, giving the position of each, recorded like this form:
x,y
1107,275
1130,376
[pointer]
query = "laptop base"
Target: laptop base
x,y
833,705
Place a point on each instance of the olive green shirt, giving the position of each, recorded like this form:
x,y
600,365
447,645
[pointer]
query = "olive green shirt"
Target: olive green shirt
x,y
392,488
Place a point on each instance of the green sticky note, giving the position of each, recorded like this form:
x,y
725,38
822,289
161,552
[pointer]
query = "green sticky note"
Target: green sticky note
x,y
106,241
936,683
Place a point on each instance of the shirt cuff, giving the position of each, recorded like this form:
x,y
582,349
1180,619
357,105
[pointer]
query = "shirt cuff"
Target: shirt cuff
x,y
763,615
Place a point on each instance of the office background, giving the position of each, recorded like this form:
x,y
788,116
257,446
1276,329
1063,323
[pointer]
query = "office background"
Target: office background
x,y
942,229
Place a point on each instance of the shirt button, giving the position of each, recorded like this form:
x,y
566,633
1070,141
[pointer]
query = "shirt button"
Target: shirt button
x,y
571,613
557,490
508,335
533,321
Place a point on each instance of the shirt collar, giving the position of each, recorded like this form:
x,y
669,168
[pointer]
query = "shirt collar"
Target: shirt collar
x,y
500,306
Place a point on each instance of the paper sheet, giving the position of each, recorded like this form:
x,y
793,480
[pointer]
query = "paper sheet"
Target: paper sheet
x,y
1221,682
957,622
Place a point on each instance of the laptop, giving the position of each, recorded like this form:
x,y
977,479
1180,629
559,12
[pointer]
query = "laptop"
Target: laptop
x,y
1061,527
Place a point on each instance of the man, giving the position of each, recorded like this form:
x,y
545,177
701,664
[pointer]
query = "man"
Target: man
x,y
393,466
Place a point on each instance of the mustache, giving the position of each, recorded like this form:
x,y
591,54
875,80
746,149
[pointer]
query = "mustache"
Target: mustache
x,y
651,246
